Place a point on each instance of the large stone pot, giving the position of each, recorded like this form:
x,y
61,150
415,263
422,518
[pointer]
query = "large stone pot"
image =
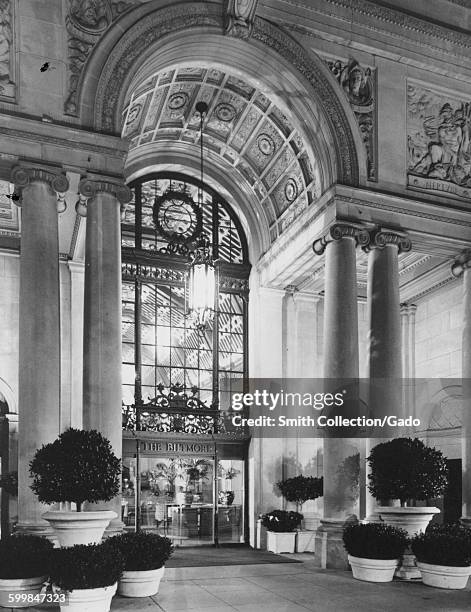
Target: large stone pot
x,y
140,584
413,520
88,600
72,528
373,570
444,576
20,588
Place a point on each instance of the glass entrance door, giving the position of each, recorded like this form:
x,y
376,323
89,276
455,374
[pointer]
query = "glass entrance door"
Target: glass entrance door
x,y
180,498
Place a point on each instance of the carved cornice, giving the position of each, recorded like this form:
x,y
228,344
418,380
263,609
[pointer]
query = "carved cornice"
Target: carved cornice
x,y
24,174
170,20
381,238
363,13
461,263
339,231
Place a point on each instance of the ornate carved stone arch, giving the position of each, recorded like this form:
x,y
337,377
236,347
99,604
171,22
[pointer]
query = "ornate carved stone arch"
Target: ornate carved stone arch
x,y
100,102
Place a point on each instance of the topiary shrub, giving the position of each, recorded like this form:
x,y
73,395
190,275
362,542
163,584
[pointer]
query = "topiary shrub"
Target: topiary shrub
x,y
444,545
281,520
142,551
374,541
404,468
301,488
86,566
24,556
79,466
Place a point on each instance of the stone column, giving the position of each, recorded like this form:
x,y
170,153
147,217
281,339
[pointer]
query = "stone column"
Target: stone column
x,y
102,393
340,362
384,336
462,267
39,326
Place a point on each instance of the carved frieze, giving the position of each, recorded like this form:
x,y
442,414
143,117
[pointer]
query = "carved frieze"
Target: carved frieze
x,y
438,142
86,21
358,85
7,86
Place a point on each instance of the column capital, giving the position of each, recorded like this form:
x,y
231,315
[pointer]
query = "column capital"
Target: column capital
x,y
381,237
91,185
408,309
26,173
461,263
339,230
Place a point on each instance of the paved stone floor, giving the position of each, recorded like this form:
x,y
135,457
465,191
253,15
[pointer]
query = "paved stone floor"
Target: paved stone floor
x,y
289,587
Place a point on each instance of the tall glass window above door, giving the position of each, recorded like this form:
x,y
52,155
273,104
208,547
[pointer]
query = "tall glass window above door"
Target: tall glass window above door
x,y
162,348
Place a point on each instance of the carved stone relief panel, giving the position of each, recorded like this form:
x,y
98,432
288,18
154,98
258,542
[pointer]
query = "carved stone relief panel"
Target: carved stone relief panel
x,y
240,15
7,80
438,141
359,86
86,21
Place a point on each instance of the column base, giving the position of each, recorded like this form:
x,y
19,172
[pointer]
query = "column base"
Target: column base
x,y
408,569
330,551
38,529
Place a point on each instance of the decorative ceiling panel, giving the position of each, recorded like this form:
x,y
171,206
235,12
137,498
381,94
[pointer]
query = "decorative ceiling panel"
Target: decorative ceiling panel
x,y
242,126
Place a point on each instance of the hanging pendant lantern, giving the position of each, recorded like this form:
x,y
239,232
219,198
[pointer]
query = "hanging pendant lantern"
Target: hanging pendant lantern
x,y
202,272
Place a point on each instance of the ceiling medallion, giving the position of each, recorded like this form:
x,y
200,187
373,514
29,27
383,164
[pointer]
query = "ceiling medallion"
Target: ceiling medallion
x,y
291,190
177,217
265,144
177,100
225,112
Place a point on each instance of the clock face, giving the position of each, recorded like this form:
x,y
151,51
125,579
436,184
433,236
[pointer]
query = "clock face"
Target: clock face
x,y
176,216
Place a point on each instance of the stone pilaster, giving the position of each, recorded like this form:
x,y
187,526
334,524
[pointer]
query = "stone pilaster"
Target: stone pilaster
x,y
408,312
462,268
39,325
341,361
102,391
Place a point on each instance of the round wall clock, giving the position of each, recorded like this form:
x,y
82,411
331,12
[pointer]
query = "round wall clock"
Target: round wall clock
x,y
177,217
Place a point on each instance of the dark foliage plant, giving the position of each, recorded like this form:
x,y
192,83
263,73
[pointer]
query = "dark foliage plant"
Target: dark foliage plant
x,y
301,488
404,468
374,541
86,566
444,545
142,551
281,520
79,466
9,483
24,556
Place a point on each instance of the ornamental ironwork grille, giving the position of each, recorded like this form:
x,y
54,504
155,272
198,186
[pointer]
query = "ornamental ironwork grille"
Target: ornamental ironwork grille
x,y
167,360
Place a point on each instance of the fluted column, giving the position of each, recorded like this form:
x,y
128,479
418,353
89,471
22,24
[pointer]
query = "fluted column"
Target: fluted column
x,y
101,201
408,312
39,326
462,268
341,361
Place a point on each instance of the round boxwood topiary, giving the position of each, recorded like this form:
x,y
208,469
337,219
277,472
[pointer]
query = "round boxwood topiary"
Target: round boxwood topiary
x,y
374,541
301,488
88,566
281,521
404,468
24,556
142,551
444,545
79,466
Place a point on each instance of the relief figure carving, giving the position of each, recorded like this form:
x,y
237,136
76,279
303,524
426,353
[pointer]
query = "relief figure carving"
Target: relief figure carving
x,y
6,38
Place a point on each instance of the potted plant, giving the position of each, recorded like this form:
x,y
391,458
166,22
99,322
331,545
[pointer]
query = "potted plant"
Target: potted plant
x,y
374,550
281,530
24,568
86,576
299,490
444,555
226,496
406,469
79,466
144,556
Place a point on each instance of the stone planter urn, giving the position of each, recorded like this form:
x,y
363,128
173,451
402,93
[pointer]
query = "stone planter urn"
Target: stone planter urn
x,y
373,570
